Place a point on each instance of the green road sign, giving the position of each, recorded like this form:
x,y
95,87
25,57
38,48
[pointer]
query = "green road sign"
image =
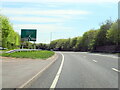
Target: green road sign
x,y
28,34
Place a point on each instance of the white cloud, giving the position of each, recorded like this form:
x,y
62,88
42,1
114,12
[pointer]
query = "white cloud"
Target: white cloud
x,y
42,27
31,11
65,1
36,19
55,15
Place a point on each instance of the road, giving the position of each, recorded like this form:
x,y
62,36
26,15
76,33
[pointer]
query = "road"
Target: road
x,y
80,70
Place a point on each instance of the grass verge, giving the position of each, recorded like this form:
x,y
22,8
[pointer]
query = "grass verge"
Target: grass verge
x,y
30,54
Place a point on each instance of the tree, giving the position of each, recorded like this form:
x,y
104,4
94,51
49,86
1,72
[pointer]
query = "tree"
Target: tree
x,y
61,44
73,43
0,37
67,44
10,39
78,45
53,44
92,40
42,46
101,38
87,40
113,34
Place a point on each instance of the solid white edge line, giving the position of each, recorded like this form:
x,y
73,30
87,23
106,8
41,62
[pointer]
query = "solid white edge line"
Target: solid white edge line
x,y
23,85
58,74
115,69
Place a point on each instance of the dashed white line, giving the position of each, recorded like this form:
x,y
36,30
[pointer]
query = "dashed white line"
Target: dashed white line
x,y
115,69
94,61
57,75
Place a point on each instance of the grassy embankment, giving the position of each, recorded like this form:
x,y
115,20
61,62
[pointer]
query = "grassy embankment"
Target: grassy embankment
x,y
30,54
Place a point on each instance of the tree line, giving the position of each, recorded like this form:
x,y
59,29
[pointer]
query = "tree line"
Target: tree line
x,y
107,37
8,37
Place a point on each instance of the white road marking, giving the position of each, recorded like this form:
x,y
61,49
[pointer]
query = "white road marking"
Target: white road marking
x,y
115,69
94,61
57,75
70,52
23,85
111,56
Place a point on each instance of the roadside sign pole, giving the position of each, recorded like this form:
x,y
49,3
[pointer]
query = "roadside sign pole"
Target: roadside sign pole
x,y
34,45
28,42
22,45
50,37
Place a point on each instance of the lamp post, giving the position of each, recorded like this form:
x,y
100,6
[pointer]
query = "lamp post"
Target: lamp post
x,y
50,36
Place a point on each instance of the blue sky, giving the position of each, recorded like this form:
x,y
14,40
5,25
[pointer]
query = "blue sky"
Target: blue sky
x,y
64,18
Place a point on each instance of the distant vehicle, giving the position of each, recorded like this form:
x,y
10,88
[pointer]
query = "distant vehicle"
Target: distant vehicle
x,y
51,49
56,49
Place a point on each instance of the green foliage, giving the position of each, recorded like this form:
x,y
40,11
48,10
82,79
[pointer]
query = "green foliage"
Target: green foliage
x,y
27,45
78,45
30,54
0,38
113,34
10,39
88,39
42,46
61,44
108,34
101,38
73,43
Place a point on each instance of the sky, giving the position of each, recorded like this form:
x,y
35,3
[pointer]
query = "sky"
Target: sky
x,y
62,18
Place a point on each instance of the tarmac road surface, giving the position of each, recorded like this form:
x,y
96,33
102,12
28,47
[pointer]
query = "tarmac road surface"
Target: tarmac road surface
x,y
80,70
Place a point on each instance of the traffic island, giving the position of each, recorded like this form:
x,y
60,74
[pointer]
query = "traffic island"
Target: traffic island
x,y
43,54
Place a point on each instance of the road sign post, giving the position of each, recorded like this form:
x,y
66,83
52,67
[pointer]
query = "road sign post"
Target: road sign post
x,y
34,45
